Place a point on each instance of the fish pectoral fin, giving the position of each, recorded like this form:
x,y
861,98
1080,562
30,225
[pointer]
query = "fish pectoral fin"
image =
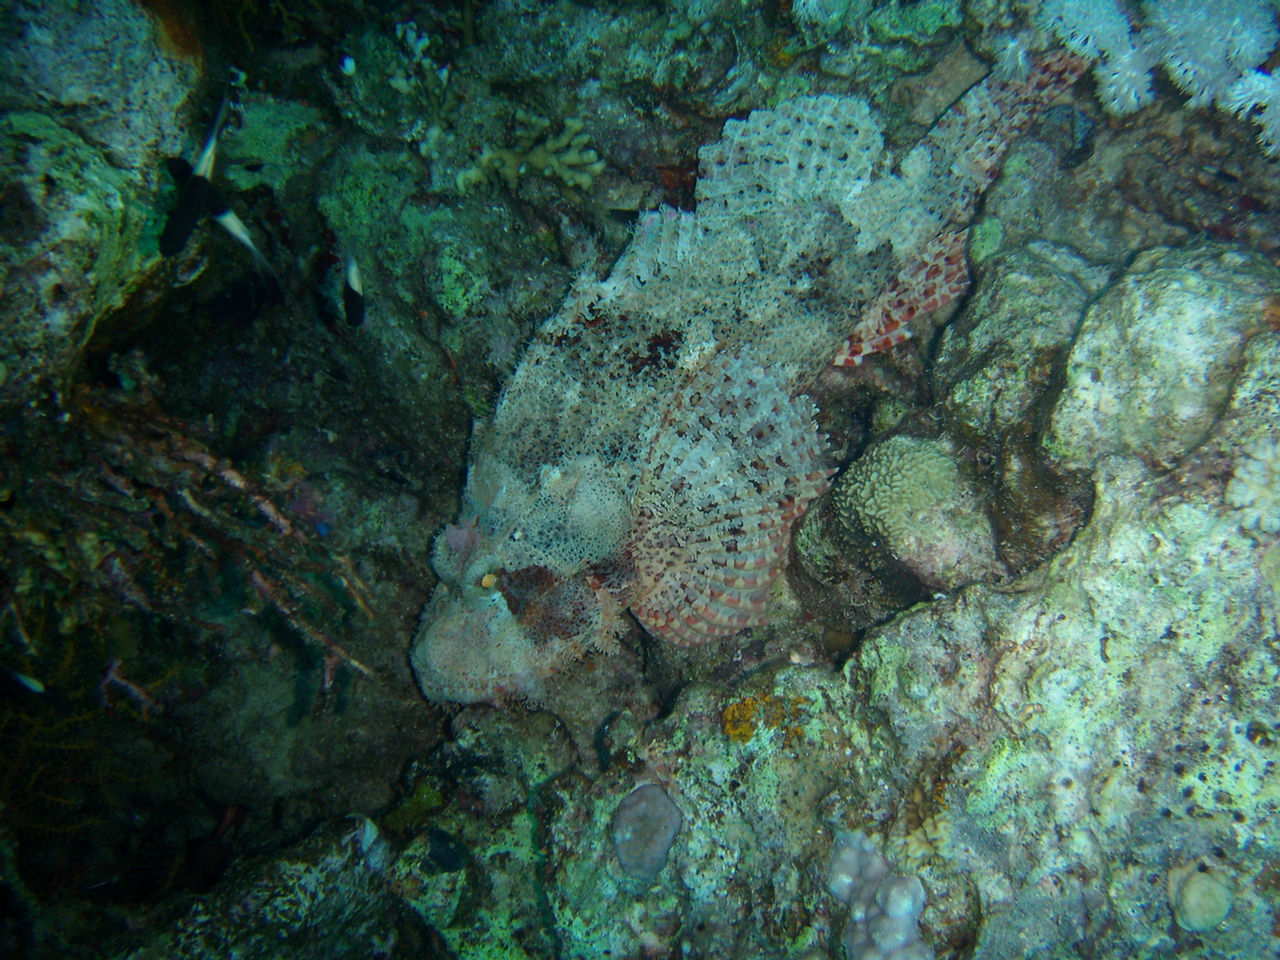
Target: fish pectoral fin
x,y
736,460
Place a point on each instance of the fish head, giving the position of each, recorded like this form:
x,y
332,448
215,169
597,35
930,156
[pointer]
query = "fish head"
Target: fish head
x,y
529,580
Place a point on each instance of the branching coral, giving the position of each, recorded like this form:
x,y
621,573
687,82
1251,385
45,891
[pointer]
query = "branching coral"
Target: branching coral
x,y
566,156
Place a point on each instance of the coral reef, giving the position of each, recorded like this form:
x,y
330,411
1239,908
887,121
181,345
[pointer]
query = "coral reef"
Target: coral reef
x,y
390,86
707,444
979,729
565,156
1043,694
327,894
1012,685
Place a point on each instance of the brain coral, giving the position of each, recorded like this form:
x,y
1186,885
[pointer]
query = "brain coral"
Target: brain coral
x,y
909,495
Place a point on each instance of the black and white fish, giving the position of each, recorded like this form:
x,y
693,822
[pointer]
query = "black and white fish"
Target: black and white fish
x,y
353,293
216,206
193,193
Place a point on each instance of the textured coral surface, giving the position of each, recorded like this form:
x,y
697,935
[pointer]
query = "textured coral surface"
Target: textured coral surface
x,y
713,454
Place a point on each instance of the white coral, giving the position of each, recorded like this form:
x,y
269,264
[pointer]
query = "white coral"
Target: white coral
x,y
884,907
1205,46
1258,91
1099,30
1094,28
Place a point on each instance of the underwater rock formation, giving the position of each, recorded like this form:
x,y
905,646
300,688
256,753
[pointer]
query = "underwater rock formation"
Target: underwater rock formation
x,y
1132,387
328,895
1046,755
1078,758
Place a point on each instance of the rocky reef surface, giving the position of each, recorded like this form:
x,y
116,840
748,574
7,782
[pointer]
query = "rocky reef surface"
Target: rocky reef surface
x,y
1015,692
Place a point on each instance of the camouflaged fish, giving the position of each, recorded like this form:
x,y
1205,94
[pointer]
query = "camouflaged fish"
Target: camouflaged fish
x,y
654,447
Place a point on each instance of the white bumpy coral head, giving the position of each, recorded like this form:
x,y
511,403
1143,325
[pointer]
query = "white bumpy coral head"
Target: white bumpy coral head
x,y
884,907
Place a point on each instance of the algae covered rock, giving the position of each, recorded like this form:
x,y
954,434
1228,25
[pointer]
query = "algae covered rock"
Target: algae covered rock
x,y
1086,713
91,102
997,360
1097,749
328,896
1248,437
1152,365
540,859
995,377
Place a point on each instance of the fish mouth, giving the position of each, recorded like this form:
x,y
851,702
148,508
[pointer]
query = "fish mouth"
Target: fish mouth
x,y
472,650
512,632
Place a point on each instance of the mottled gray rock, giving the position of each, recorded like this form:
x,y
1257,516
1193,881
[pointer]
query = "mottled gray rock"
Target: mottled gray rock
x,y
1116,709
103,70
1152,365
644,827
1036,199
